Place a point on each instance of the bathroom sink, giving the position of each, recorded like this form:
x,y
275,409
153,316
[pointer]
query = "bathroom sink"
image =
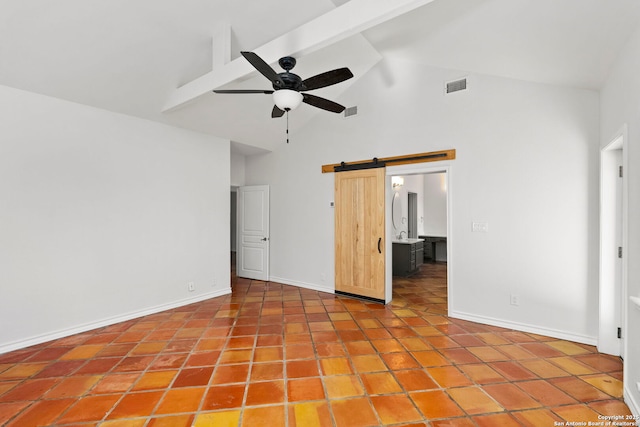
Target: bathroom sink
x,y
407,240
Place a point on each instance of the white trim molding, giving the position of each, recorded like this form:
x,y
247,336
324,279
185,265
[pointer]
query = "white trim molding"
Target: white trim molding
x,y
16,345
311,286
523,327
630,401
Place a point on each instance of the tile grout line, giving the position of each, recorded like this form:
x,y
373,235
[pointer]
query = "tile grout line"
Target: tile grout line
x,y
598,367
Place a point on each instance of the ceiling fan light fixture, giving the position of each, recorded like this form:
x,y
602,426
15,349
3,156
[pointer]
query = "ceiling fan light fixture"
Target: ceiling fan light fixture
x,y
287,99
287,86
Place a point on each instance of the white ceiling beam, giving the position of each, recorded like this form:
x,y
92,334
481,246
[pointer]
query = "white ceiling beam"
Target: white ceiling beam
x,y
351,18
221,45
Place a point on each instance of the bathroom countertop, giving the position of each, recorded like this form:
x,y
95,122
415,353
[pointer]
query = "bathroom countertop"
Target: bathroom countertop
x,y
407,241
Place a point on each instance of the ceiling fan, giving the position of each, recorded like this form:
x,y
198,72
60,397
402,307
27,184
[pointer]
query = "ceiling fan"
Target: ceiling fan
x,y
288,87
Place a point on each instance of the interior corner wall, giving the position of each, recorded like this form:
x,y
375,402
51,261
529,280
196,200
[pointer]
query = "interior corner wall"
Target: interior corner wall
x,y
233,220
238,162
237,169
619,106
104,217
526,163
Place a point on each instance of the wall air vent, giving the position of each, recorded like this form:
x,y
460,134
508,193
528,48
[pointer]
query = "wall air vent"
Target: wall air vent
x,y
455,86
350,111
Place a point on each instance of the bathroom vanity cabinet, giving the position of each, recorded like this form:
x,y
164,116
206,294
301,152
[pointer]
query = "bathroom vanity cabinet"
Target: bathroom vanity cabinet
x,y
408,256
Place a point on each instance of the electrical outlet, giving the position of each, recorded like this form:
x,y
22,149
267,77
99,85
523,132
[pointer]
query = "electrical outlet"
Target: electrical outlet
x,y
638,385
514,299
191,286
213,283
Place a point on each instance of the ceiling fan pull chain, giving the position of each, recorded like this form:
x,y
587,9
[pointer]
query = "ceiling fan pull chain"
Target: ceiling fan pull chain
x,y
287,125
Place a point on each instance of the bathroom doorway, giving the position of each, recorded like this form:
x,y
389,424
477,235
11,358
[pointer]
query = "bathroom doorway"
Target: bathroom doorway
x,y
419,235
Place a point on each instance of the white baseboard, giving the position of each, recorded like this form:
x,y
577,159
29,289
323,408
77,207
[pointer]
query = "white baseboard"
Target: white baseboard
x,y
554,333
633,405
311,286
16,345
523,327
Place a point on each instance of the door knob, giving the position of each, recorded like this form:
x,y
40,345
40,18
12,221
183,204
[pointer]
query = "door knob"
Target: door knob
x,y
264,239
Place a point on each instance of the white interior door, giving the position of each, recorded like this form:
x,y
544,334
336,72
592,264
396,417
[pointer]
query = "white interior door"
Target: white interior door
x,y
618,297
252,258
612,251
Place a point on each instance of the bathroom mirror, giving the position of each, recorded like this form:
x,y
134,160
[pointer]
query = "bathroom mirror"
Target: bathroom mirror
x,y
396,210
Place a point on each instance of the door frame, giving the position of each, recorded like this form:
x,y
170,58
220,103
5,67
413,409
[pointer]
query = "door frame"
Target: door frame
x,y
412,214
608,303
418,169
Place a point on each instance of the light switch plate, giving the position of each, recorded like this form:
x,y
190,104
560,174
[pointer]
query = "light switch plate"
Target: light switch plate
x,y
480,227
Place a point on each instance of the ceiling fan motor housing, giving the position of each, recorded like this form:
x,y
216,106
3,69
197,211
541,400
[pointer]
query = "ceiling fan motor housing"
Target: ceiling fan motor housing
x,y
288,81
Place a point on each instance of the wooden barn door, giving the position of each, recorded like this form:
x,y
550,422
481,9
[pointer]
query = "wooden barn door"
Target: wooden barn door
x,y
359,233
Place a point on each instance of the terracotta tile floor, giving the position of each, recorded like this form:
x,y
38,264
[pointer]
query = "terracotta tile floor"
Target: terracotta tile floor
x,y
276,355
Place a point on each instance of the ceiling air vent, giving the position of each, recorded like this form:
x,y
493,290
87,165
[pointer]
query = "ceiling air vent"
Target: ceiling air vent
x,y
455,86
350,111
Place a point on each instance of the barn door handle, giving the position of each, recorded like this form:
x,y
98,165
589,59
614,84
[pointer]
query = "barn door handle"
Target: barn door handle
x,y
379,241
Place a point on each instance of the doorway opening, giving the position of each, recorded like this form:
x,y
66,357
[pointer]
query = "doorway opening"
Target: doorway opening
x,y
418,238
613,244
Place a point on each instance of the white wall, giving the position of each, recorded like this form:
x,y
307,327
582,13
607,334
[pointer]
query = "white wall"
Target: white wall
x,y
237,180
527,163
103,217
435,204
233,220
620,106
237,169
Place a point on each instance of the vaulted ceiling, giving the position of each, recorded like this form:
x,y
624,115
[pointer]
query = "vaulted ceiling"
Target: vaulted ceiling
x,y
132,56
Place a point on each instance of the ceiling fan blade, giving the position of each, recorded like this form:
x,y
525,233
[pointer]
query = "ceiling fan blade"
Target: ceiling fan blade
x,y
267,92
323,103
264,68
276,112
327,79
